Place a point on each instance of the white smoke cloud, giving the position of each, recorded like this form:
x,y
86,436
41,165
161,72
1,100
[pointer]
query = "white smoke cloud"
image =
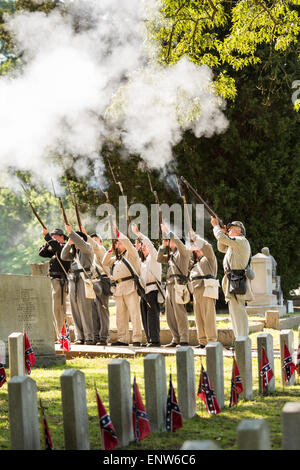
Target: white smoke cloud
x,y
58,103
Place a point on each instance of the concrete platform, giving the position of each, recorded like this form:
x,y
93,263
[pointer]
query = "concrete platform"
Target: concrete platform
x,y
132,352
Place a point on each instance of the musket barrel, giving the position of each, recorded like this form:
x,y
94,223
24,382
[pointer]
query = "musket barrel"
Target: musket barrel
x,y
197,196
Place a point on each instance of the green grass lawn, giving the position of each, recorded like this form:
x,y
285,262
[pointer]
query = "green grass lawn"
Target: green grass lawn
x,y
221,428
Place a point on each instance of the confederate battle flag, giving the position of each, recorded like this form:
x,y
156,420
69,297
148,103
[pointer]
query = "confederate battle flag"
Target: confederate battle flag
x,y
46,432
140,421
108,433
29,354
174,416
206,392
64,338
236,384
298,360
266,371
2,375
288,364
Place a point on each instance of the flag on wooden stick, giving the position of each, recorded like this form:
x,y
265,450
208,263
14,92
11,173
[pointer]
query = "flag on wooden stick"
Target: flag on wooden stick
x,y
236,384
46,432
298,360
140,421
64,338
108,433
266,371
288,364
206,392
2,375
29,354
173,415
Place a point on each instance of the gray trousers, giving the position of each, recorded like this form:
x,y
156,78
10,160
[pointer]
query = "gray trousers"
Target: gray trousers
x,y
176,315
81,308
101,318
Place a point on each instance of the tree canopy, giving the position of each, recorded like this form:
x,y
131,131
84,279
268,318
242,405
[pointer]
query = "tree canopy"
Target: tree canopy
x,y
249,173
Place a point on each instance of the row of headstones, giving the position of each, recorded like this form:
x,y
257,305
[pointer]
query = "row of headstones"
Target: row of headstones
x,y
23,408
254,434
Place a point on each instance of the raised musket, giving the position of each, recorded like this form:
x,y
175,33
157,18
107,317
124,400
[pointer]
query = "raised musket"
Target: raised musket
x,y
32,207
77,212
159,216
185,208
197,196
61,206
118,183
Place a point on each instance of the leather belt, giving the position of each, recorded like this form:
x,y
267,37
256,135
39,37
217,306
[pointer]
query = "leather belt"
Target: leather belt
x,y
208,276
75,271
151,283
122,279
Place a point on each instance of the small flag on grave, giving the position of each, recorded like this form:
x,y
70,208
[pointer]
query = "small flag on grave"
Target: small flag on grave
x,y
265,368
2,375
206,392
64,338
236,384
29,354
288,364
46,432
298,360
140,421
173,415
108,433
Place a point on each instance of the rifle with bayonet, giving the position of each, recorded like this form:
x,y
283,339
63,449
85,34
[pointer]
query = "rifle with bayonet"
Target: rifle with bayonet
x,y
32,207
77,212
113,236
185,208
160,219
118,183
75,207
61,206
197,196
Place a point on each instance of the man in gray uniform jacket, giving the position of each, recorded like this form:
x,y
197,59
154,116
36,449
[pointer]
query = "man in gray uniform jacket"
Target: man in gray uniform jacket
x,y
81,255
100,304
237,254
178,265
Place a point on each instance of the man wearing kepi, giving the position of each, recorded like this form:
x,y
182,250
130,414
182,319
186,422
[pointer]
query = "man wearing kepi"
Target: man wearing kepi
x,y
124,263
236,285
177,294
58,272
100,308
81,255
205,288
151,277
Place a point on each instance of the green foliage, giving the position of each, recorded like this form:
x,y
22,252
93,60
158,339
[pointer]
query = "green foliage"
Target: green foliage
x,y
21,234
251,172
226,36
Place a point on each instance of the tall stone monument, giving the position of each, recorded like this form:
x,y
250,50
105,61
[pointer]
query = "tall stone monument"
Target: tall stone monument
x,y
267,295
26,304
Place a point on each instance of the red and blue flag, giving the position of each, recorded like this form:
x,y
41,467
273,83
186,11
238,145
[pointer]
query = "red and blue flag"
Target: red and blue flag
x,y
173,415
140,421
206,392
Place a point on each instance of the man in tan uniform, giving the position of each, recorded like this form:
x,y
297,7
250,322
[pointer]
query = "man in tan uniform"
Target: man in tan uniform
x,y
178,265
238,251
204,271
126,296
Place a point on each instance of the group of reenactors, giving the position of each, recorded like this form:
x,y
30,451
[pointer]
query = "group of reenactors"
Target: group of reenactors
x,y
82,267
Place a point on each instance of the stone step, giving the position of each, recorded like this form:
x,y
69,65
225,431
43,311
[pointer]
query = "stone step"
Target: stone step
x,y
131,352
